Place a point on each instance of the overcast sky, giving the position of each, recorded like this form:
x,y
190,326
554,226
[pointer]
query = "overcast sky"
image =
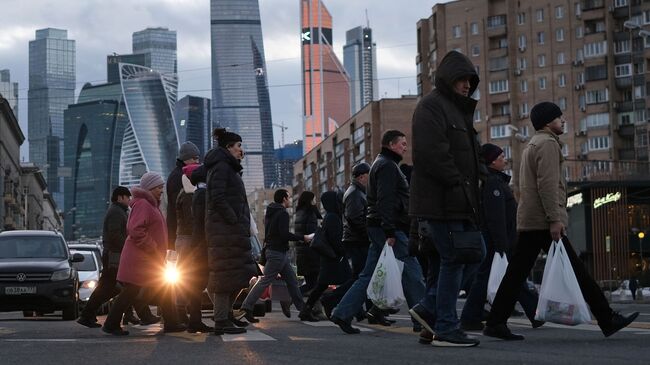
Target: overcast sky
x,y
101,27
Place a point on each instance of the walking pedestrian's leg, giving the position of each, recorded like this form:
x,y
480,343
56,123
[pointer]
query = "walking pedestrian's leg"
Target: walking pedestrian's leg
x,y
122,302
412,277
289,277
274,264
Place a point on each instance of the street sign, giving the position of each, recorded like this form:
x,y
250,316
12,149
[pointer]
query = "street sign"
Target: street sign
x,y
608,244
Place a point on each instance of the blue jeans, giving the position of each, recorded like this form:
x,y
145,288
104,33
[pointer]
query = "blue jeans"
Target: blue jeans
x,y
442,295
412,281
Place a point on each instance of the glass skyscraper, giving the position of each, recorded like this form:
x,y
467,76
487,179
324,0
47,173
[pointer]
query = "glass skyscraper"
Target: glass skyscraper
x,y
9,90
360,61
51,90
160,44
240,95
193,124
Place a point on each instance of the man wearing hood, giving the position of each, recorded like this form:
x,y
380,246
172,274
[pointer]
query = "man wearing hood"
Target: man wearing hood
x,y
277,237
445,188
187,154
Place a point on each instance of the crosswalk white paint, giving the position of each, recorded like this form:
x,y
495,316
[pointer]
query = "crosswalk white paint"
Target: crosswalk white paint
x,y
331,324
250,335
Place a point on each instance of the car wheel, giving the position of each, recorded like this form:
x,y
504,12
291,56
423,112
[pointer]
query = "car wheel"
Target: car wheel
x,y
28,313
71,312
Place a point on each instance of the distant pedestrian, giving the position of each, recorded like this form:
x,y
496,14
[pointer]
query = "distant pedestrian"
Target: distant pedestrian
x,y
541,219
633,285
305,223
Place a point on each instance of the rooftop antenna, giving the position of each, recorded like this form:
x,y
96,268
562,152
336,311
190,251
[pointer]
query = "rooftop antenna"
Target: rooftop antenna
x,y
367,20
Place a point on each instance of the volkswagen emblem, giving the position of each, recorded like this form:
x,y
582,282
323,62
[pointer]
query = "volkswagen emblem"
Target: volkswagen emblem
x,y
21,277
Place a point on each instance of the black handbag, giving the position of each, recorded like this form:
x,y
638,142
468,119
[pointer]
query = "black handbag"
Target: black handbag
x,y
468,245
319,244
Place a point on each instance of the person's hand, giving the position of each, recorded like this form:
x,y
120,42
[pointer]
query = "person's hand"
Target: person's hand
x,y
308,238
390,241
557,230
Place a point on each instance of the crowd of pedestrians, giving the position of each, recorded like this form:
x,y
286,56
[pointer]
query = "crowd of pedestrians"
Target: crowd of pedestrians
x,y
445,217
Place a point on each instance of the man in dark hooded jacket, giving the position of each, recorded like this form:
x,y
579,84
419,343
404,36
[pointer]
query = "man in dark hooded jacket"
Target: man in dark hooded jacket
x,y
187,154
445,188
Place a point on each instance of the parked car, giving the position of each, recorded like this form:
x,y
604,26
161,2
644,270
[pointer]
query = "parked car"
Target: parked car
x,y
37,274
88,271
95,248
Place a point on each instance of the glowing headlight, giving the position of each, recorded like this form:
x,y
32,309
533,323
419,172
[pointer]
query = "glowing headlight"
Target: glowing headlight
x,y
90,284
171,274
61,275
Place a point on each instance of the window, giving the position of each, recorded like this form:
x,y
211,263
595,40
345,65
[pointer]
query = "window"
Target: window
x,y
507,152
521,18
561,102
539,14
476,50
639,92
579,32
559,34
501,109
523,110
646,17
473,28
581,102
498,86
560,58
623,70
639,68
498,63
561,80
541,60
580,56
499,131
522,41
596,120
559,12
476,95
620,3
598,72
496,21
578,9
540,37
595,49
524,131
455,31
542,83
477,116
521,63
523,86
597,96
599,143
622,46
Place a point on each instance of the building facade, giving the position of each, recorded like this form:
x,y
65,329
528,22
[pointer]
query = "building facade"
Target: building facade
x,y
240,95
360,61
159,44
9,90
40,209
328,166
285,158
11,137
51,90
193,123
326,86
113,64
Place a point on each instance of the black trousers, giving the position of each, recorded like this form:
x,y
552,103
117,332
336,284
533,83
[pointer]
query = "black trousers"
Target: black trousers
x,y
528,247
106,290
132,293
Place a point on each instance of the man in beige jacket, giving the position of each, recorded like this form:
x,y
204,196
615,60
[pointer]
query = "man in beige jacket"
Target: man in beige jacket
x,y
541,219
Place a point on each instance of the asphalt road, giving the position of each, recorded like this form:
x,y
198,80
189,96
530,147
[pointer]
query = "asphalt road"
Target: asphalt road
x,y
278,340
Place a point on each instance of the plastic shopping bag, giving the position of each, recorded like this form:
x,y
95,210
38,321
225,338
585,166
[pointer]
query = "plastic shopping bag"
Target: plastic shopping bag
x,y
498,270
385,288
560,297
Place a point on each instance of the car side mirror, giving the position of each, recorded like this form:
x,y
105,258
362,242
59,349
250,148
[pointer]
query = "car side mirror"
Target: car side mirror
x,y
77,257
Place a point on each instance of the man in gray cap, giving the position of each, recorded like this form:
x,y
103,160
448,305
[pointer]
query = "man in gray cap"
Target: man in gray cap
x,y
187,154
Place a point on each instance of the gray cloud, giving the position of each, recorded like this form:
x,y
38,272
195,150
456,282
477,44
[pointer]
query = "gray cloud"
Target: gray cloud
x,y
101,27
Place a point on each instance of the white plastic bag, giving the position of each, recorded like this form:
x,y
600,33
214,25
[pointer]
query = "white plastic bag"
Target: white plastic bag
x,y
498,270
560,297
385,288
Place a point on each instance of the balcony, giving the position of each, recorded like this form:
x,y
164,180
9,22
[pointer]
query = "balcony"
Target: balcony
x,y
607,170
623,82
626,154
496,31
621,12
626,131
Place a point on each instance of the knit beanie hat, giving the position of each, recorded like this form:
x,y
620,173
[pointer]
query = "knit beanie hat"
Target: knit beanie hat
x,y
188,151
490,152
151,180
360,169
544,113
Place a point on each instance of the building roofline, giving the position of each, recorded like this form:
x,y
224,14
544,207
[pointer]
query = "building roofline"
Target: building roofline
x,y
5,108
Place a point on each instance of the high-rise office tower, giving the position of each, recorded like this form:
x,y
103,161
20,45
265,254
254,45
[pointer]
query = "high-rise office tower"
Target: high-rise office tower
x,y
159,47
326,86
360,60
9,90
285,158
193,124
240,95
51,90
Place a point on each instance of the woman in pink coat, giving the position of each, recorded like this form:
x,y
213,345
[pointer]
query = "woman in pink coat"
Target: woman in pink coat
x,y
143,257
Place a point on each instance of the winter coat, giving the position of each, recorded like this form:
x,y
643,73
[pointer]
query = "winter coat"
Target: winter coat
x,y
173,186
542,184
354,215
306,222
276,223
445,147
388,194
143,257
185,220
199,244
227,224
114,229
499,212
333,271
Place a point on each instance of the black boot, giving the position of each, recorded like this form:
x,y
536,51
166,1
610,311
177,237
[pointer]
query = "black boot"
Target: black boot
x,y
375,316
617,323
130,317
307,315
226,327
237,322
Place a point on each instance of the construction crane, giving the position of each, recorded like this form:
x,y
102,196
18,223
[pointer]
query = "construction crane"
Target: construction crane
x,y
282,128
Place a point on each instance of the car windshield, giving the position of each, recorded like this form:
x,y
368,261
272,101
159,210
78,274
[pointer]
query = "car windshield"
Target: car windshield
x,y
19,247
88,264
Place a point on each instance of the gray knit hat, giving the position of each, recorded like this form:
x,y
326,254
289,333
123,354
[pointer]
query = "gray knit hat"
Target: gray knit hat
x,y
188,151
151,180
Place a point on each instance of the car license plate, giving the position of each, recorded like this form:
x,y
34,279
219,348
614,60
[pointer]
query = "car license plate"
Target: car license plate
x,y
18,290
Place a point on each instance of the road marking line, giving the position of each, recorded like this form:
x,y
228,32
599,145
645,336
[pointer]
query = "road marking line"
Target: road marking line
x,y
331,324
248,336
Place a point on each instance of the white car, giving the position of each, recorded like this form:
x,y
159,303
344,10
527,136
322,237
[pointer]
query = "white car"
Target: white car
x,y
88,271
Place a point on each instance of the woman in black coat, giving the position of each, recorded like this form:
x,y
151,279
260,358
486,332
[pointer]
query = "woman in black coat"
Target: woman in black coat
x,y
306,222
227,228
333,271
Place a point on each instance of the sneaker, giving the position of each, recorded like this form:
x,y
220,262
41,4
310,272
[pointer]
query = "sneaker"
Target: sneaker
x,y
88,322
115,332
246,314
345,326
501,331
471,326
618,322
237,322
227,327
423,316
425,337
536,324
200,327
456,338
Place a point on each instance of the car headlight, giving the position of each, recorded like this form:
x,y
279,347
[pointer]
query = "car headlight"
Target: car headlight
x,y
90,284
61,275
